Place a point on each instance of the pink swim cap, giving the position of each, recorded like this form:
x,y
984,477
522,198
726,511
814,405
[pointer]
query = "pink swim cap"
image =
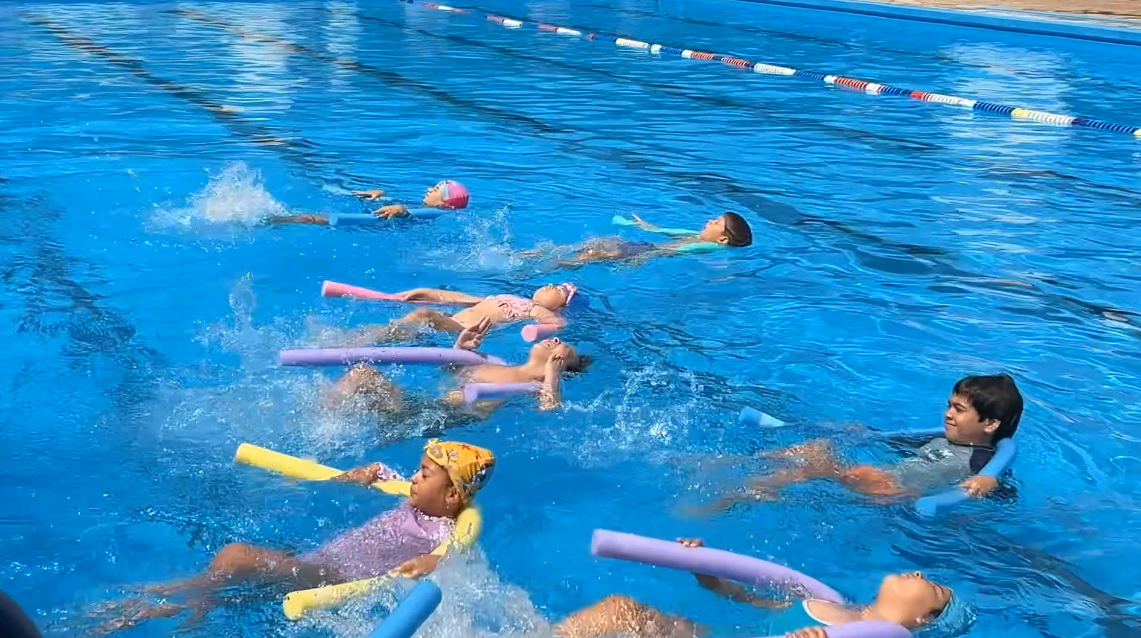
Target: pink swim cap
x,y
453,193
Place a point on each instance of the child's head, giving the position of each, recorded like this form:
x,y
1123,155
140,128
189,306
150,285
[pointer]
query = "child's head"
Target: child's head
x,y
450,475
446,194
543,351
983,410
729,229
554,297
911,600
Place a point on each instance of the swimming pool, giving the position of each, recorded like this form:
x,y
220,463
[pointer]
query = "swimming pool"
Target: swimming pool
x,y
898,245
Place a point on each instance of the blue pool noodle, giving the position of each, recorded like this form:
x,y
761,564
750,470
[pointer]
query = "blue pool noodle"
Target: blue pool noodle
x,y
753,416
411,612
356,219
1003,458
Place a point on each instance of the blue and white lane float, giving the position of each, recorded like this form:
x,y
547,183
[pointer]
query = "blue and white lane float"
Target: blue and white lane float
x,y
862,86
416,607
743,569
1005,452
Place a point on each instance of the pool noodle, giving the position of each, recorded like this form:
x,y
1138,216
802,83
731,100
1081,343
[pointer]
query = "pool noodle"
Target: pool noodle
x,y
619,220
297,603
358,219
1004,455
745,569
416,607
415,355
753,416
704,560
536,331
479,391
335,289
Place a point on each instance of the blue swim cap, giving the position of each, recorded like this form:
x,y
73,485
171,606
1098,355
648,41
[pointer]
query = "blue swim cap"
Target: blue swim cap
x,y
956,619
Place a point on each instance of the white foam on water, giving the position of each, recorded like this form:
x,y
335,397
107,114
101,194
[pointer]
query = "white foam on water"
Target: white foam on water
x,y
236,194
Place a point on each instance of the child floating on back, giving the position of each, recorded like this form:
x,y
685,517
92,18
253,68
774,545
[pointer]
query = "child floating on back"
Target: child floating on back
x,y
406,539
729,229
982,411
908,599
444,196
545,307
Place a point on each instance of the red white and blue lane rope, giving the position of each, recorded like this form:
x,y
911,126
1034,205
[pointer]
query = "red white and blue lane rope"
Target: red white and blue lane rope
x,y
863,86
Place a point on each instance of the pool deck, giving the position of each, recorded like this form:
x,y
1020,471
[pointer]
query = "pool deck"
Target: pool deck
x,y
1118,13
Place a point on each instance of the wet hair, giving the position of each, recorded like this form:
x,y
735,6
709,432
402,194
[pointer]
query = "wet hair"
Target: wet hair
x,y
737,230
582,361
994,397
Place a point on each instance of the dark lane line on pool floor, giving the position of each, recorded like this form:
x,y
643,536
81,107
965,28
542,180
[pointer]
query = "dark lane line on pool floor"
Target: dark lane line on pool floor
x,y
1108,190
299,151
917,260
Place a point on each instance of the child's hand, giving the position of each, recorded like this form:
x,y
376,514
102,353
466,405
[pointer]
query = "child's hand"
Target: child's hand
x,y
370,195
691,542
388,212
471,338
979,485
810,632
363,475
555,365
642,223
419,566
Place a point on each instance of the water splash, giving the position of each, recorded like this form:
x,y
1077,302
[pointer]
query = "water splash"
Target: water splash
x,y
236,194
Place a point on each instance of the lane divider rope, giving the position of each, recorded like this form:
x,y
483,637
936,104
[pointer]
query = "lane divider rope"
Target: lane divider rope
x,y
853,84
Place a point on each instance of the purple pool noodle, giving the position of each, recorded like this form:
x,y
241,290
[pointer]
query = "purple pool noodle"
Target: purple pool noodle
x,y
703,560
864,629
475,391
348,356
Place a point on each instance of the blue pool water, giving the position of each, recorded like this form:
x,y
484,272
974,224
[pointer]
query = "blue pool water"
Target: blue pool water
x,y
898,246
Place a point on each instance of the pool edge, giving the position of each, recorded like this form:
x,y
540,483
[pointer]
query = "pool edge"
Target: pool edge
x,y
1107,34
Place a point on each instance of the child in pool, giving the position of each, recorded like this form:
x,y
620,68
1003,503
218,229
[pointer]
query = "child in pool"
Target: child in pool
x,y
543,307
547,362
905,599
982,411
406,539
729,229
445,195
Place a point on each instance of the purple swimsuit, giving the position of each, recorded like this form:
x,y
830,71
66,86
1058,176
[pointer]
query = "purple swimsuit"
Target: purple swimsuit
x,y
382,543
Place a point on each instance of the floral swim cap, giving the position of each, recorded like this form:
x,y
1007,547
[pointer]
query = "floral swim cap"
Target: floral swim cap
x,y
453,194
469,466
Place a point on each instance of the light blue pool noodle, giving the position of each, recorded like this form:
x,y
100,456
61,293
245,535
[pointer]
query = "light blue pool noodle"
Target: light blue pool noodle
x,y
753,416
416,607
619,220
357,219
1004,455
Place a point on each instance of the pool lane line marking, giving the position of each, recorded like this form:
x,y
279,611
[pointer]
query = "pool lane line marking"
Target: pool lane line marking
x,y
929,261
852,84
225,115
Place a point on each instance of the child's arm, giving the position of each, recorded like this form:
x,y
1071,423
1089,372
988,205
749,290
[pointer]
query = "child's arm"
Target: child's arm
x,y
550,394
675,232
368,474
391,211
731,590
471,338
370,195
980,485
440,296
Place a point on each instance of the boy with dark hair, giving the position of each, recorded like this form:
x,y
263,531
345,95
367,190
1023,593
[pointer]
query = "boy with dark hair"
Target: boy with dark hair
x,y
982,411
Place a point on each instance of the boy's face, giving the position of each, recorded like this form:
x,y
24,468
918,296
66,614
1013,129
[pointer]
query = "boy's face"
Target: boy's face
x,y
432,491
432,198
714,231
961,423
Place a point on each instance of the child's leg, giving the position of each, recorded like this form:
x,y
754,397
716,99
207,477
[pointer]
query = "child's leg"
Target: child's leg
x,y
624,615
871,481
367,383
407,326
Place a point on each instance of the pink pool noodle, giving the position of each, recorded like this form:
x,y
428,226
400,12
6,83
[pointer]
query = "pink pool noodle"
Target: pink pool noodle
x,y
475,391
349,356
334,289
537,331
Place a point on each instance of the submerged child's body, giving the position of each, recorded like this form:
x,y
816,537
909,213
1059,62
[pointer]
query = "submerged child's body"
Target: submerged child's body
x,y
729,229
409,539
546,363
545,307
908,599
982,411
445,195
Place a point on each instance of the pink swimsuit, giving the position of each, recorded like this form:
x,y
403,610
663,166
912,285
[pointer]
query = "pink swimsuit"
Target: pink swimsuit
x,y
513,308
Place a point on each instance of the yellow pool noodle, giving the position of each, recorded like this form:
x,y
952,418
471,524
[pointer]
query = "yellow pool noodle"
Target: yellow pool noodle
x,y
303,469
296,604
